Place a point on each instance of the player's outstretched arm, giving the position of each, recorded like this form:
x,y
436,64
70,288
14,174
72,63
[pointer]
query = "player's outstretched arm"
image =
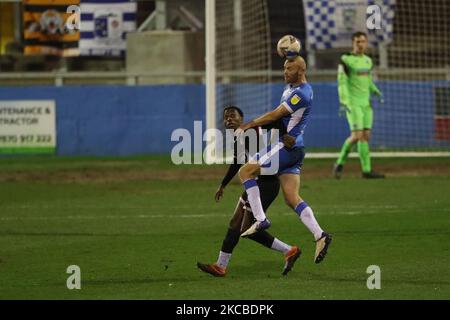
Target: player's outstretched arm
x,y
271,116
289,141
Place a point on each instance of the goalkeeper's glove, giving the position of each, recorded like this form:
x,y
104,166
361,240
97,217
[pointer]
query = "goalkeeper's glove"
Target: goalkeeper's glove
x,y
343,109
379,96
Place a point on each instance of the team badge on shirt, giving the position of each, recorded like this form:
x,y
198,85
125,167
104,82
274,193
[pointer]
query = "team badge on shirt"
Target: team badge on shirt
x,y
295,99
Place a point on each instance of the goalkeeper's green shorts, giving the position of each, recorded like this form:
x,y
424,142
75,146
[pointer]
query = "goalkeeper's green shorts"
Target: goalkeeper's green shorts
x,y
360,117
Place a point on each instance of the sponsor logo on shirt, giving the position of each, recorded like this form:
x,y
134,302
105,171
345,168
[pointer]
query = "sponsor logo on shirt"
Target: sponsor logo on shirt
x,y
295,99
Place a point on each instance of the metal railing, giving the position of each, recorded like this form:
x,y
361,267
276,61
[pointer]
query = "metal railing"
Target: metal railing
x,y
61,78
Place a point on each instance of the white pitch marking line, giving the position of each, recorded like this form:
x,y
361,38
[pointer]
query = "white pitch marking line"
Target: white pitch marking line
x,y
211,215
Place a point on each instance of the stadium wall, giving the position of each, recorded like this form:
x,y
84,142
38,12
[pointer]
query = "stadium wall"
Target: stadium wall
x,y
117,120
131,120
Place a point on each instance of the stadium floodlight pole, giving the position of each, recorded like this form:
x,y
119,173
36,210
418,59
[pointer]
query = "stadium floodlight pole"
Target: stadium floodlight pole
x,y
210,62
382,51
311,59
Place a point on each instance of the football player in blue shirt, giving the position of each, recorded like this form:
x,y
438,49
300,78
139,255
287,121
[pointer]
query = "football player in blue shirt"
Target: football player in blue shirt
x,y
294,111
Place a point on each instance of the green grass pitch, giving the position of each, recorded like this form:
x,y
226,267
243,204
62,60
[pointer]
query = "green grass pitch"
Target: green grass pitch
x,y
137,226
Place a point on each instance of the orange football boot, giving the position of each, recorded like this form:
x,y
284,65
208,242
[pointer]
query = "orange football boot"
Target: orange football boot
x,y
290,259
213,269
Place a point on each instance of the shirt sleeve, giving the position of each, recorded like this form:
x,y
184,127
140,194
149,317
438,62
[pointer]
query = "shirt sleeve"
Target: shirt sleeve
x,y
373,88
231,172
342,79
294,102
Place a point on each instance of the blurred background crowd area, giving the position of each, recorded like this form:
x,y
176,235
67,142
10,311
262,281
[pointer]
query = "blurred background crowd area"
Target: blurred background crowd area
x,y
162,35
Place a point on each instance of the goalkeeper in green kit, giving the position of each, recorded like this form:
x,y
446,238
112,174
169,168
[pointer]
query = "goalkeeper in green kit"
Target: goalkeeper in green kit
x,y
355,86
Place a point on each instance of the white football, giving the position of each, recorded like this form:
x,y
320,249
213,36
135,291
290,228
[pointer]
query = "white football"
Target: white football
x,y
288,47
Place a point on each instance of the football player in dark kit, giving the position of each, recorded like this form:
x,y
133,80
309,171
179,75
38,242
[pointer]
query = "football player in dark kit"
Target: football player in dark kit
x,y
243,218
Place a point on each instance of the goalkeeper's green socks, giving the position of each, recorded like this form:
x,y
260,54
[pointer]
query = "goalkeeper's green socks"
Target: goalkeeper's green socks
x,y
345,150
364,156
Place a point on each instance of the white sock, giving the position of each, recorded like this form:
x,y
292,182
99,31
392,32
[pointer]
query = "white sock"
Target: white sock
x,y
308,219
280,246
255,200
223,260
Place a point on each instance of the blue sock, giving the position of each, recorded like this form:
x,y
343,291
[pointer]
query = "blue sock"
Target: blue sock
x,y
300,207
250,183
